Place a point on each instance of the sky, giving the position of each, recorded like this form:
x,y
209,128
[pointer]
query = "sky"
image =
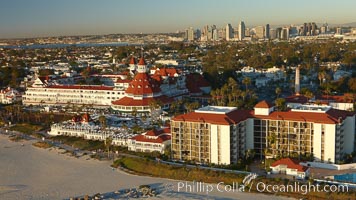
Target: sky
x,y
38,18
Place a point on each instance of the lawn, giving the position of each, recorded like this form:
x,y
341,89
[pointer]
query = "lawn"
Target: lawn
x,y
43,145
81,143
25,128
149,167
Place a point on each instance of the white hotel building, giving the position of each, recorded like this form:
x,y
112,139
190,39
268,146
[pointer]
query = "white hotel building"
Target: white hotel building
x,y
120,93
44,93
222,135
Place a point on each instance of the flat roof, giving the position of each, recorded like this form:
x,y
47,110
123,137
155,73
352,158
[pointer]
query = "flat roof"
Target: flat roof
x,y
216,109
311,108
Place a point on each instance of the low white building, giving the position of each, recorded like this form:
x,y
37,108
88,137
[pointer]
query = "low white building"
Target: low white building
x,y
9,96
81,126
150,141
289,167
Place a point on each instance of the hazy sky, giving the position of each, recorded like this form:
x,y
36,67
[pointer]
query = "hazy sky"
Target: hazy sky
x,y
32,18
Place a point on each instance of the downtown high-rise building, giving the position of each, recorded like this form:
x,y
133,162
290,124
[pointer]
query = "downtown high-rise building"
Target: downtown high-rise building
x,y
241,30
259,32
189,34
229,32
285,33
267,32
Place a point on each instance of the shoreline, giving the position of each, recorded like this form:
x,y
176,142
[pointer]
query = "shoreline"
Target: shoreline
x,y
31,172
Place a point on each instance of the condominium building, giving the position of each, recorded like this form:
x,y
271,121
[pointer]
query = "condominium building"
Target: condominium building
x,y
221,135
211,134
324,133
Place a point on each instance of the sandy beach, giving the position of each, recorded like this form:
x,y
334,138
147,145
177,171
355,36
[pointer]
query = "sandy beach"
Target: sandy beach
x,y
28,172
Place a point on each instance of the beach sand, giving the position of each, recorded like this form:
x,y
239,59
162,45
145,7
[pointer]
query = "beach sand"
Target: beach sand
x,y
27,172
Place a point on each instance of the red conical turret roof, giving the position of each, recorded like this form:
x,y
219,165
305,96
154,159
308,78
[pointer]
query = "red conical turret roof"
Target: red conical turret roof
x,y
132,61
142,61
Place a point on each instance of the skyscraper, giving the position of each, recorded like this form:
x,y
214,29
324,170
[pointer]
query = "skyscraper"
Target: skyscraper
x,y
190,34
241,30
313,30
285,33
267,33
259,32
228,32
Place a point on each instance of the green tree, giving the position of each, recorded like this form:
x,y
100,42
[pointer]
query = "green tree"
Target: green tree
x,y
308,94
280,104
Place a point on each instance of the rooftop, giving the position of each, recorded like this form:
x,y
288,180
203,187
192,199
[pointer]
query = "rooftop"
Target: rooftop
x,y
290,163
311,108
216,109
264,104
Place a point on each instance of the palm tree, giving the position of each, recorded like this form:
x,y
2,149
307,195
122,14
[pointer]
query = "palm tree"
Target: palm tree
x,y
308,94
247,82
108,142
321,76
278,91
155,106
102,120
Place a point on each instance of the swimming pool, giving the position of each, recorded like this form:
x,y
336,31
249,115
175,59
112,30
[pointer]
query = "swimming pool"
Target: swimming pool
x,y
350,178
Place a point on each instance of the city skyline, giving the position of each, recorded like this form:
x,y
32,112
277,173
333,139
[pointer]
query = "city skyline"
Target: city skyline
x,y
40,18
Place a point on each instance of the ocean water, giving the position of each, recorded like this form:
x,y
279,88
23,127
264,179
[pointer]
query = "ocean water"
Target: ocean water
x,y
51,46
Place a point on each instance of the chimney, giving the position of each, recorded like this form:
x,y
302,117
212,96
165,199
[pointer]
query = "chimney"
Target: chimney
x,y
297,81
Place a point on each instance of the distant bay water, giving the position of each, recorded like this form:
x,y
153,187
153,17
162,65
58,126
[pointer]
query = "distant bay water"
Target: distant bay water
x,y
52,46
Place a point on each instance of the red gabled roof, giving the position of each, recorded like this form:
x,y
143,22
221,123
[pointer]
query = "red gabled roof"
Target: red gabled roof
x,y
197,79
263,104
143,84
128,101
157,132
86,117
153,132
123,81
232,117
291,164
296,99
194,82
157,78
332,116
82,87
346,98
160,139
165,72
